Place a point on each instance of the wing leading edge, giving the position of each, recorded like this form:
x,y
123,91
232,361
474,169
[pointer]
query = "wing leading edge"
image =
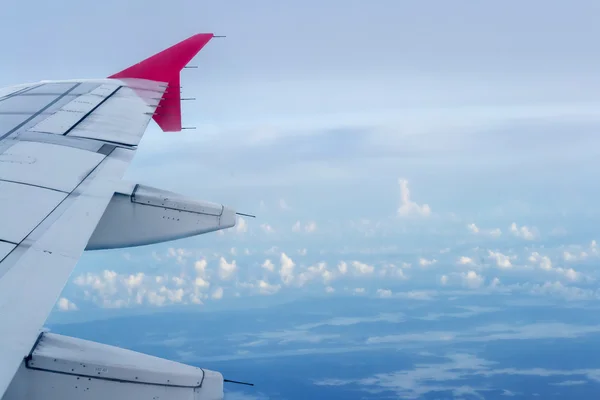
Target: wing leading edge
x,y
64,147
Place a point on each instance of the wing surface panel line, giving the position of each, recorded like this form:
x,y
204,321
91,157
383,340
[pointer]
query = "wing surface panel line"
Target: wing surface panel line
x,y
92,110
33,185
47,106
70,195
21,91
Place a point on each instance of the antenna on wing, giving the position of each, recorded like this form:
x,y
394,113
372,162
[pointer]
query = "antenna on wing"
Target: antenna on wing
x,y
237,382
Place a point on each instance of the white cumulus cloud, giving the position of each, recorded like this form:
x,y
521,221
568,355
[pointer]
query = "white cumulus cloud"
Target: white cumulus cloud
x,y
65,304
524,232
408,207
226,270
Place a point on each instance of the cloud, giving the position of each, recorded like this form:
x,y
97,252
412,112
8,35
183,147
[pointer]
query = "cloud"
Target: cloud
x,y
392,318
463,260
266,288
267,228
384,293
484,232
217,294
502,261
226,270
286,271
472,280
423,262
419,295
523,232
449,375
241,226
409,208
545,263
180,255
283,205
362,268
65,304
569,383
469,311
493,332
309,227
268,265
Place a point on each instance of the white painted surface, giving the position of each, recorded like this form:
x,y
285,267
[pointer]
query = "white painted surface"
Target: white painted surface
x,y
45,266
52,88
29,104
12,89
47,165
121,119
87,358
160,217
72,112
163,198
31,384
5,248
8,122
22,208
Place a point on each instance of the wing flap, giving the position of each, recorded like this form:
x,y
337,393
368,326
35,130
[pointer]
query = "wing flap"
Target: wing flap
x,y
121,119
75,111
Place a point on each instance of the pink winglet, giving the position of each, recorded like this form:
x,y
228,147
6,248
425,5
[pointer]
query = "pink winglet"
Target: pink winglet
x,y
165,67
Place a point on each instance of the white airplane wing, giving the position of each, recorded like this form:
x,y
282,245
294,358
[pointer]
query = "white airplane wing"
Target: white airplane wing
x,y
64,147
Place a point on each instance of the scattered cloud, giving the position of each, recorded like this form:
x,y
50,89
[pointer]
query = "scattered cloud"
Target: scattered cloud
x,y
217,294
501,260
463,260
226,270
267,228
423,262
474,229
283,205
472,280
523,232
308,227
409,208
65,304
449,375
241,226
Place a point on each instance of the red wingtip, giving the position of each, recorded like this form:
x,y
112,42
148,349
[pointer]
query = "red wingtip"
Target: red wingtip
x,y
165,67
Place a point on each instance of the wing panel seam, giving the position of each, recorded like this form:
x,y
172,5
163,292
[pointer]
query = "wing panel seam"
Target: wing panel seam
x,y
33,185
47,106
91,111
68,195
20,92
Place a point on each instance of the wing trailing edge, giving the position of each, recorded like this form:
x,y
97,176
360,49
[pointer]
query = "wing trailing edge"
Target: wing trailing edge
x,y
166,67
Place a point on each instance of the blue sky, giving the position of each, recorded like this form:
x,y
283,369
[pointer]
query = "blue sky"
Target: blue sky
x,y
311,114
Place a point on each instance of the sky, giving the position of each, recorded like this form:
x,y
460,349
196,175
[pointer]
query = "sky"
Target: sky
x,y
420,131
390,150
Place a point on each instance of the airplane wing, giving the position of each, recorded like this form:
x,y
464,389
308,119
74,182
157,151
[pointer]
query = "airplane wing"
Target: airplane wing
x,y
64,147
